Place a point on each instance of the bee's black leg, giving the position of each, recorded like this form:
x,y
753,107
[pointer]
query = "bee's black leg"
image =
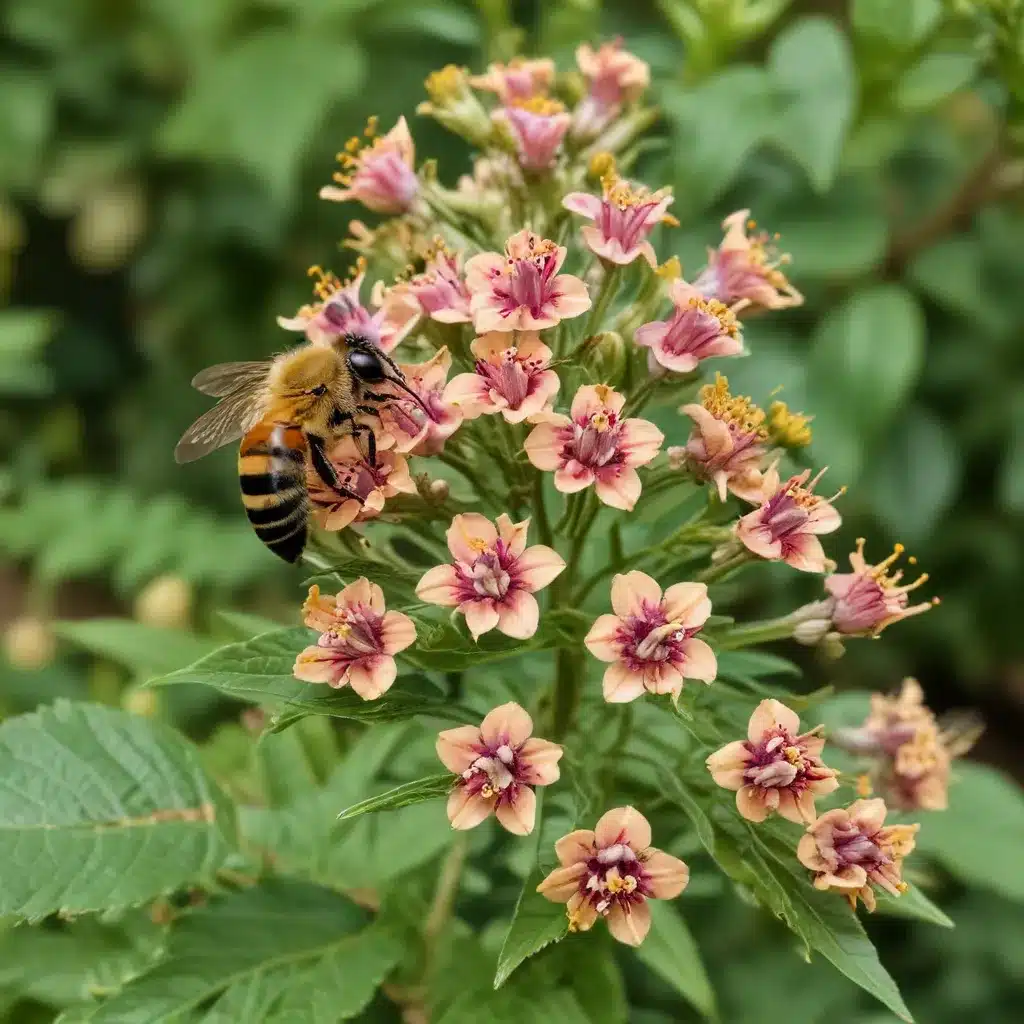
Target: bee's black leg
x,y
321,463
371,443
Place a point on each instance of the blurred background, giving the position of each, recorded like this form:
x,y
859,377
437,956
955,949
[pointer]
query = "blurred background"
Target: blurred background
x,y
159,163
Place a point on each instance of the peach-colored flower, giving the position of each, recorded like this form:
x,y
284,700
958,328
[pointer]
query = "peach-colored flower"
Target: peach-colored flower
x,y
651,640
788,523
440,290
699,329
746,269
379,173
537,126
423,429
366,487
594,446
494,576
615,77
498,764
511,377
518,80
623,217
776,769
850,850
612,872
523,290
453,104
358,639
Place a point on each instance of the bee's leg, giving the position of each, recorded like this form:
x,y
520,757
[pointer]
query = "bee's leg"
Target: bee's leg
x,y
371,438
324,468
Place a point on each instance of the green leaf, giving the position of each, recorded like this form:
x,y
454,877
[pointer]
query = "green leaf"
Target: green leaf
x,y
934,77
27,111
245,625
754,664
901,25
1011,475
135,645
23,335
394,581
102,809
914,905
671,952
429,788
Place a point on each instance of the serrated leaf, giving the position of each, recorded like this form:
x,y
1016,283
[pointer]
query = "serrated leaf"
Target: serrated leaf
x,y
429,788
135,645
101,808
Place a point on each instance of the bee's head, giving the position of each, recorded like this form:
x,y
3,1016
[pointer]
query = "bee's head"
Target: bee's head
x,y
309,371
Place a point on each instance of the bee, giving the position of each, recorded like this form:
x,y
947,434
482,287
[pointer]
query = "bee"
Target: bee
x,y
287,412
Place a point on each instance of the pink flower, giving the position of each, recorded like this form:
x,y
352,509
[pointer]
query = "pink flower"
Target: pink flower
x,y
440,291
511,377
788,523
849,850
776,769
651,640
358,640
372,485
423,429
615,77
746,269
594,446
494,576
523,290
612,872
698,329
537,126
518,80
623,217
498,765
380,174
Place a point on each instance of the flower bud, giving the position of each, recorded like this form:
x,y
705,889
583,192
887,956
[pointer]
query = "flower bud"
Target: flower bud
x,y
165,601
439,490
29,644
811,632
605,355
454,104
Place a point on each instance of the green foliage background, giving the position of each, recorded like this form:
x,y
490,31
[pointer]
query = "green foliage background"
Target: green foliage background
x,y
159,161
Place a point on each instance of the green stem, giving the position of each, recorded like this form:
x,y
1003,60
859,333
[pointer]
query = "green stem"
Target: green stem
x,y
717,572
540,510
757,633
609,288
470,473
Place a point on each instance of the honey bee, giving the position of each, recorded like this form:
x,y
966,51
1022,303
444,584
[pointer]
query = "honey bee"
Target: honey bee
x,y
287,411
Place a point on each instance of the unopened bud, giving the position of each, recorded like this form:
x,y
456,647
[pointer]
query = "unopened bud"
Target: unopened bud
x,y
677,455
439,490
605,356
811,632
165,601
142,702
454,105
832,646
29,644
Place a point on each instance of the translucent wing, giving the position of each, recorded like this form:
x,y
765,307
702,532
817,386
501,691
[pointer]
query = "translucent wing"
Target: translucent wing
x,y
222,379
234,415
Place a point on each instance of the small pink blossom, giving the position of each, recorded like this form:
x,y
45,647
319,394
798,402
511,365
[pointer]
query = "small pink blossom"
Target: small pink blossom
x,y
612,872
537,126
358,639
511,377
440,291
422,429
594,446
745,269
380,174
788,523
498,764
699,329
518,80
615,78
494,576
623,218
776,769
523,290
651,640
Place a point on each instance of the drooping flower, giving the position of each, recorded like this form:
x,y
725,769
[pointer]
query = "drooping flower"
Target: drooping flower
x,y
498,764
651,639
453,104
523,290
850,850
789,521
494,576
511,377
358,639
440,290
776,769
615,78
537,126
334,510
593,445
745,269
698,329
624,215
611,872
423,429
518,80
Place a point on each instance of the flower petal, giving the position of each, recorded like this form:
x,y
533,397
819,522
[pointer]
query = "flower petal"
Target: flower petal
x,y
805,553
623,825
770,715
513,534
699,660
458,748
537,566
602,640
666,876
570,296
634,593
539,759
508,723
639,442
687,603
631,923
544,446
573,477
398,631
320,665
469,534
481,616
576,847
372,677
518,614
518,816
728,764
621,684
467,810
618,487
439,585
563,882
869,815
583,203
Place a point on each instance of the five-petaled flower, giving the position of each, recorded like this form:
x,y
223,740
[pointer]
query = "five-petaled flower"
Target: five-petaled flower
x,y
422,429
523,290
497,763
776,769
651,639
518,80
594,445
611,872
358,639
511,377
494,576
537,126
439,290
615,77
851,849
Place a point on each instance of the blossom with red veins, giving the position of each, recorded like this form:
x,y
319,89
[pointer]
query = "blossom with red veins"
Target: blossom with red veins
x,y
334,510
745,269
379,172
776,769
511,376
537,126
787,525
612,872
594,446
358,641
497,765
523,290
518,80
651,639
615,77
422,429
850,850
439,290
494,576
698,329
624,215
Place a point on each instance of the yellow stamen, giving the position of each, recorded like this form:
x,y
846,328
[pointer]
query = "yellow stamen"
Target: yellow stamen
x,y
602,164
725,316
478,544
737,411
670,270
864,787
543,105
788,429
447,84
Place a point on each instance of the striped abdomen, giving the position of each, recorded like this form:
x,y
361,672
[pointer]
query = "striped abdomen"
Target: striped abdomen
x,y
272,472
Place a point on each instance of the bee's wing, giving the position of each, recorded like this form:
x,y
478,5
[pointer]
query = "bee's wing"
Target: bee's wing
x,y
222,379
235,414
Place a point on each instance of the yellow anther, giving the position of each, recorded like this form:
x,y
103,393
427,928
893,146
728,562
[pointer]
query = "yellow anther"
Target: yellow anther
x,y
543,105
737,411
446,84
602,164
789,429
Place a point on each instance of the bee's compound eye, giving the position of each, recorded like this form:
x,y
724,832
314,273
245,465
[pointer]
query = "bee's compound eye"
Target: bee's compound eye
x,y
365,365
